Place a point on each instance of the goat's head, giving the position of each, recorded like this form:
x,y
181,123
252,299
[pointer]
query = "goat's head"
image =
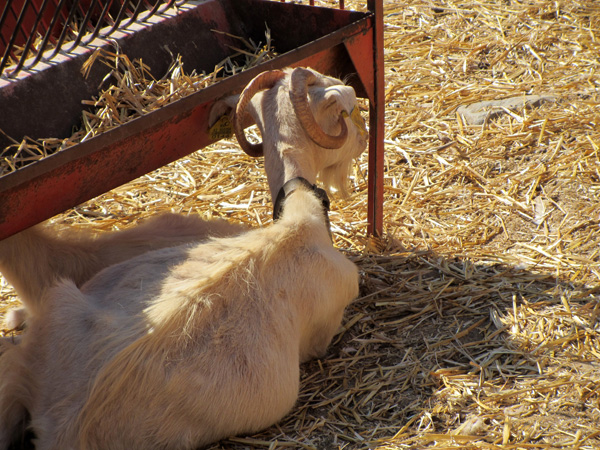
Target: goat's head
x,y
304,119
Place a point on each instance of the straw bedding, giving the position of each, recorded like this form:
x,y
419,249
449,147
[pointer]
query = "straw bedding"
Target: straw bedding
x,y
477,321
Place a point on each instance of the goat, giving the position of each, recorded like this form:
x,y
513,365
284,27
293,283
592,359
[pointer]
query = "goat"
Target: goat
x,y
178,347
52,255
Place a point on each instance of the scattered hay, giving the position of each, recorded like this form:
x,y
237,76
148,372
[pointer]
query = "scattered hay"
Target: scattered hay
x,y
477,321
134,93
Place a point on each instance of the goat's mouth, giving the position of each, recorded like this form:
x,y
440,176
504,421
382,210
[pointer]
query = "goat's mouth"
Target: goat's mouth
x,y
359,122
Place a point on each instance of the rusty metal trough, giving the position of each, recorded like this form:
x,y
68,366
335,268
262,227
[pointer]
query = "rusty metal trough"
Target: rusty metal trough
x,y
45,100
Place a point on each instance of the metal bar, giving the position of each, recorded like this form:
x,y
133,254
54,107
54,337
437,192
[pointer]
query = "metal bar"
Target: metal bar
x,y
84,24
136,12
82,38
100,23
11,42
65,30
376,126
48,35
155,8
118,19
26,21
3,19
31,37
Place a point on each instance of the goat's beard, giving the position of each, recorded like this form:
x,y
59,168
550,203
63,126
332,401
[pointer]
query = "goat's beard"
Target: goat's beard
x,y
335,178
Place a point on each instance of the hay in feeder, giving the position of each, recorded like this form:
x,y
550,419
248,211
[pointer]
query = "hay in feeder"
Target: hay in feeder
x,y
134,92
477,321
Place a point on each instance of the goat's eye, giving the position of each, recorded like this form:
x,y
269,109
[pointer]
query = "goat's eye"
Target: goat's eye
x,y
330,102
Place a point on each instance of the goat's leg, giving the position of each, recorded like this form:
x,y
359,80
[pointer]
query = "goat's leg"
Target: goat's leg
x,y
33,260
165,230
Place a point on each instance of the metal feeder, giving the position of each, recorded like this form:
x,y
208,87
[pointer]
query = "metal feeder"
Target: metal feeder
x,y
41,95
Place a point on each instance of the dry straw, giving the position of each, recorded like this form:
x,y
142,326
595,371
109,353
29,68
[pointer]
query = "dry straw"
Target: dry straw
x,y
477,321
133,93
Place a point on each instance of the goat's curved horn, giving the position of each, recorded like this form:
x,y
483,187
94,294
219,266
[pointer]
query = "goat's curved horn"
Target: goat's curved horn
x,y
265,80
299,82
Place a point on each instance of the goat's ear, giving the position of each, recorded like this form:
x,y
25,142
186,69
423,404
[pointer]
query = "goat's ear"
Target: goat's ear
x,y
222,107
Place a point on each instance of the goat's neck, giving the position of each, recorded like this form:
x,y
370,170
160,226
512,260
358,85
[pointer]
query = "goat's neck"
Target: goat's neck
x,y
286,163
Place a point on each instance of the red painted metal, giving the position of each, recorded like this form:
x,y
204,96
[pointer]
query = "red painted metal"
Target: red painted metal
x,y
376,125
312,3
361,51
107,162
58,110
29,10
25,19
82,172
68,178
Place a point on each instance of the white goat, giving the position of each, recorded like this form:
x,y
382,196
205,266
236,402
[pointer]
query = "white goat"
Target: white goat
x,y
181,346
283,113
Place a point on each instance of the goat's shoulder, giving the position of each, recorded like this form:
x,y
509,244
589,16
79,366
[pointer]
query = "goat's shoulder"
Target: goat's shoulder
x,y
304,223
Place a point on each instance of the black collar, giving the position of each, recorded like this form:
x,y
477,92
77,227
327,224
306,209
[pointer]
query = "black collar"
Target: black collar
x,y
293,184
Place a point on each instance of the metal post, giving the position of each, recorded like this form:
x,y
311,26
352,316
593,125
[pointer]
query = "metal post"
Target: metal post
x,y
376,126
